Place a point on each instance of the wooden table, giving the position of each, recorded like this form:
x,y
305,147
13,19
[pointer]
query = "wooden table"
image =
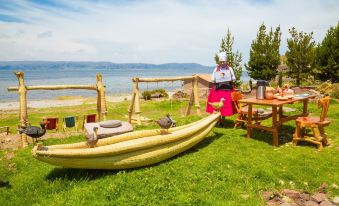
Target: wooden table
x,y
277,118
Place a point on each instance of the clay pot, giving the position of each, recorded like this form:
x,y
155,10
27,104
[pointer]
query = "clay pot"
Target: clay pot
x,y
269,95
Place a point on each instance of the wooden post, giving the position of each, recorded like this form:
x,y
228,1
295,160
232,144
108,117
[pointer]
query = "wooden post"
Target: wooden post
x,y
249,122
23,106
137,101
190,103
131,106
305,105
101,101
196,94
275,126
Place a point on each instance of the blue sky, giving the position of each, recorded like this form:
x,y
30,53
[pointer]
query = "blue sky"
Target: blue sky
x,y
147,31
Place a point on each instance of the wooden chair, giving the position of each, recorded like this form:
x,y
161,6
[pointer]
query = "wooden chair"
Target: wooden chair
x,y
69,122
316,124
4,129
242,110
52,123
89,118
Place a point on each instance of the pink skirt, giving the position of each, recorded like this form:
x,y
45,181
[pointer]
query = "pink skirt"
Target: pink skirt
x,y
215,96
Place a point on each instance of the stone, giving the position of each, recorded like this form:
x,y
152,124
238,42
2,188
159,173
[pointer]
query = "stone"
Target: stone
x,y
300,201
336,200
272,203
335,186
245,196
287,199
305,196
326,203
311,203
323,187
291,193
319,197
266,195
285,204
281,182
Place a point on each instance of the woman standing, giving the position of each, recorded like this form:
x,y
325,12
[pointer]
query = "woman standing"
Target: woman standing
x,y
222,79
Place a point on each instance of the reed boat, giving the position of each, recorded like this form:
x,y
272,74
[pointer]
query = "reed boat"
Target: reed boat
x,y
129,150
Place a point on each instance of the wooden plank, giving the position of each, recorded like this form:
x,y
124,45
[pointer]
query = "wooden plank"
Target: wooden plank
x,y
249,124
258,126
164,79
275,126
274,102
55,87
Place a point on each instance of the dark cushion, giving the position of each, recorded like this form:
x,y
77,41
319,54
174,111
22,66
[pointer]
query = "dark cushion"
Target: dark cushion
x,y
110,123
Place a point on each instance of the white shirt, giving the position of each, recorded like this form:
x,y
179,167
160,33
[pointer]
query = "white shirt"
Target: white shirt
x,y
223,75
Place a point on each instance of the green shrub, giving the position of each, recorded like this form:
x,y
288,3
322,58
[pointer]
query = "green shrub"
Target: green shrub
x,y
146,95
161,91
327,88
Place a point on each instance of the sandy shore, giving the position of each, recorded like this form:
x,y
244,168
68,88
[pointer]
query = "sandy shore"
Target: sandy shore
x,y
5,106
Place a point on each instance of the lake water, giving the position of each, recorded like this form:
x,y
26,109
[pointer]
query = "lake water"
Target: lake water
x,y
117,81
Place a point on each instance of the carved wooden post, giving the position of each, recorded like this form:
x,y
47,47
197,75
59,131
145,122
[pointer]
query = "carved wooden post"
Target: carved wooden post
x,y
137,101
190,103
23,106
196,94
131,106
101,101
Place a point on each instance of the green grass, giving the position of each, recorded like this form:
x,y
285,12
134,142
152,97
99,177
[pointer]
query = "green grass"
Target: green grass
x,y
217,171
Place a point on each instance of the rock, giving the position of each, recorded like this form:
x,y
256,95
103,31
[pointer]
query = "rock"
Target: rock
x,y
335,186
281,182
300,201
266,195
326,203
323,187
291,193
8,139
311,203
245,196
319,197
285,204
9,156
336,200
286,199
305,196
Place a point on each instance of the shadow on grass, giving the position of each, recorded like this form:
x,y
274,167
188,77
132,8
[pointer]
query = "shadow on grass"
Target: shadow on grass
x,y
87,174
78,174
285,135
226,123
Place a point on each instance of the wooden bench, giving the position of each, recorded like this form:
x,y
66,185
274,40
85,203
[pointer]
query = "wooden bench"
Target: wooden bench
x,y
4,129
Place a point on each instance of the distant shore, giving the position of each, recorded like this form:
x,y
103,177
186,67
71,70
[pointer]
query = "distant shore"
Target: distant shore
x,y
62,101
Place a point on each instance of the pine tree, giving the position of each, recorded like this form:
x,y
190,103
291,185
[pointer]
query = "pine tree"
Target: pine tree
x,y
264,54
327,57
233,59
300,54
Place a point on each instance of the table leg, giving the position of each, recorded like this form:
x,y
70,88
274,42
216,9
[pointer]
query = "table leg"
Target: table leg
x,y
275,126
249,122
305,104
280,112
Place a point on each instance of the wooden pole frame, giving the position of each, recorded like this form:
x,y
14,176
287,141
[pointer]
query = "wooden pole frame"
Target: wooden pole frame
x,y
135,101
22,90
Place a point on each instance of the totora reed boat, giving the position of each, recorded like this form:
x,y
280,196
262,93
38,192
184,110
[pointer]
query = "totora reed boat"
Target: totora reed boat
x,y
129,150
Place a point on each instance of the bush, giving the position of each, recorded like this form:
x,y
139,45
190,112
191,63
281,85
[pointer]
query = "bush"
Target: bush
x,y
146,95
327,88
162,92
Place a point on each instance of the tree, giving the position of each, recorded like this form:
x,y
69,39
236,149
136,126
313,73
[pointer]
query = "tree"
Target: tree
x,y
233,59
264,54
327,57
300,54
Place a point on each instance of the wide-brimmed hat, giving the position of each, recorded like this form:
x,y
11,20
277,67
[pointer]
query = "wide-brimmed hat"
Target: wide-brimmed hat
x,y
222,56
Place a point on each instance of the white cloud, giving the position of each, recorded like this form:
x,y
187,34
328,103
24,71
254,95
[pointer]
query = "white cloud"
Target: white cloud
x,y
152,31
